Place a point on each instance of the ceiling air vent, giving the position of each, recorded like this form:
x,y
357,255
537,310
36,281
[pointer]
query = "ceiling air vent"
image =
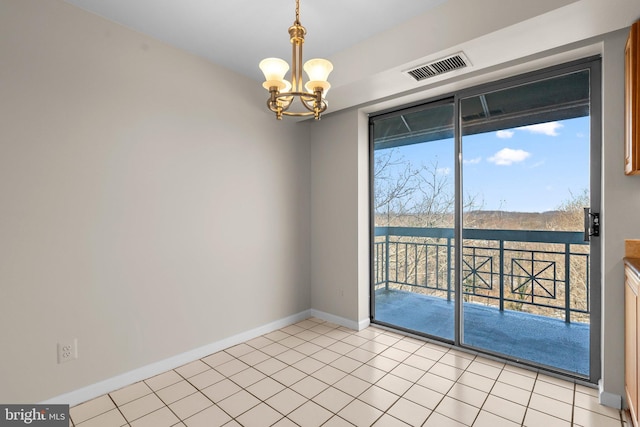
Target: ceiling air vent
x,y
440,66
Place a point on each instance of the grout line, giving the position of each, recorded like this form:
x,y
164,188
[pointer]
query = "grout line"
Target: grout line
x,y
526,408
573,405
118,408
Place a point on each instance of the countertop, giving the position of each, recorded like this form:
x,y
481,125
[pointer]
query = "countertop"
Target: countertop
x,y
634,264
632,255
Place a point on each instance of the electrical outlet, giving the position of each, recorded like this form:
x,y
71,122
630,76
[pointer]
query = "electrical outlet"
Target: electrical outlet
x,y
67,350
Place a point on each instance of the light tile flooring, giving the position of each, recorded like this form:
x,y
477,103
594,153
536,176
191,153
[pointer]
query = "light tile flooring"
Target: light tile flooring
x,y
316,373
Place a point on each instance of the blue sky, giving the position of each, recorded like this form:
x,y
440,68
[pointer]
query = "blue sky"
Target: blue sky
x,y
528,169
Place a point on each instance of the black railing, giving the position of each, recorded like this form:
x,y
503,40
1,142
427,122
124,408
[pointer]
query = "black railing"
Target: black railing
x,y
543,272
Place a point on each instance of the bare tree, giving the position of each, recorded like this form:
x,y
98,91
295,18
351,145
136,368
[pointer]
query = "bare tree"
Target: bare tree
x,y
409,195
395,181
571,211
415,196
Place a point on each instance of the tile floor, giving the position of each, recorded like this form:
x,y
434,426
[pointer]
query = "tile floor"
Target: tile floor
x,y
316,373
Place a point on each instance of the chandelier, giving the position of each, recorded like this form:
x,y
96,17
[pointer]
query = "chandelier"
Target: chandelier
x,y
283,93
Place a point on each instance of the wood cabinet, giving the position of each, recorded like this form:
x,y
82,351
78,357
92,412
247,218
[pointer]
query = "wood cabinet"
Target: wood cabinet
x,y
632,102
631,349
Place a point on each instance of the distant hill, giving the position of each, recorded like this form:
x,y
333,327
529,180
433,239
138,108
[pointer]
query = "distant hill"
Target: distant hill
x,y
498,220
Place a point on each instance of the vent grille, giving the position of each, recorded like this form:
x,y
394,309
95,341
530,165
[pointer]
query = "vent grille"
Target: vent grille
x,y
441,66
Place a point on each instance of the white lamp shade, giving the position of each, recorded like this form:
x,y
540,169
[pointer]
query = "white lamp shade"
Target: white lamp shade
x,y
274,69
312,85
318,69
287,87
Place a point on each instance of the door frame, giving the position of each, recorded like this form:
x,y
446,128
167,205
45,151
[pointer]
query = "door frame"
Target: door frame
x,y
593,64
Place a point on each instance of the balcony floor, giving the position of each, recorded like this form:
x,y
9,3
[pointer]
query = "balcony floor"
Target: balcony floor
x,y
523,336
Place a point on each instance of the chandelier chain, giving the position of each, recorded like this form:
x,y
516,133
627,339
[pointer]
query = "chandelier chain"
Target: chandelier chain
x,y
297,11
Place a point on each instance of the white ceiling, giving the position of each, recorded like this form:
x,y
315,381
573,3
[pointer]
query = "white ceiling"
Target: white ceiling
x,y
371,42
237,34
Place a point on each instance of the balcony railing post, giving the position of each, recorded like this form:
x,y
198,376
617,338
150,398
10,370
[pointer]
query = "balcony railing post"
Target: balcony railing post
x,y
386,262
501,275
567,284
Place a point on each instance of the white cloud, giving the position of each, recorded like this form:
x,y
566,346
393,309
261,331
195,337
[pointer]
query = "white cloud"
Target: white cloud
x,y
472,161
443,171
504,134
508,156
549,129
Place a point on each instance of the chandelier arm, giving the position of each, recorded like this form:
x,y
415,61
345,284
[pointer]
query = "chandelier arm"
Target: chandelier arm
x,y
272,101
298,113
274,108
313,104
319,103
304,96
279,103
286,104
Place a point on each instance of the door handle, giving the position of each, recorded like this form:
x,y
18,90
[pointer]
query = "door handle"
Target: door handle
x,y
591,224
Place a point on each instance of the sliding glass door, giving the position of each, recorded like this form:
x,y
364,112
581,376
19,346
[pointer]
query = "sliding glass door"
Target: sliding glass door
x,y
483,205
525,274
414,202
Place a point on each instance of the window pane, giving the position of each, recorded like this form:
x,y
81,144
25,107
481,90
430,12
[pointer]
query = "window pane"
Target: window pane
x,y
525,269
414,204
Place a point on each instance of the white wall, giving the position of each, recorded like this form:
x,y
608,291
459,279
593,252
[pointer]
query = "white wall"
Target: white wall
x,y
334,215
337,152
149,205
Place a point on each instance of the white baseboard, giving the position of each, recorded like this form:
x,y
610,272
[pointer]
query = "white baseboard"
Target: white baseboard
x,y
98,389
347,323
364,324
609,399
